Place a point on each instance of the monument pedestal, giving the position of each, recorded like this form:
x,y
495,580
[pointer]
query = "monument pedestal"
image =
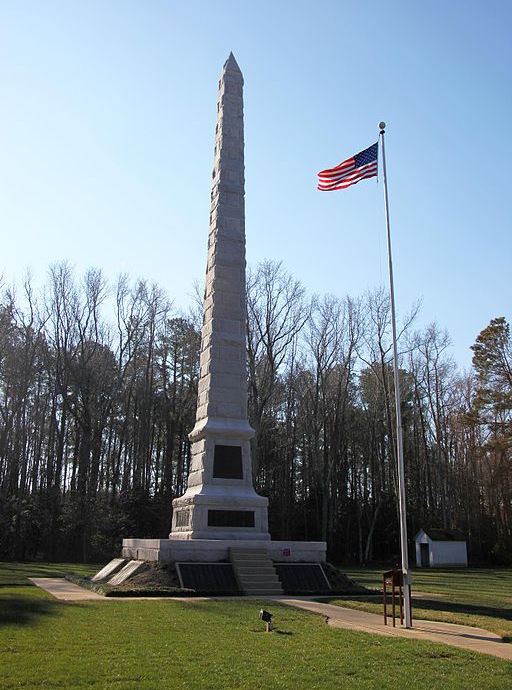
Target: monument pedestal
x,y
216,514
214,550
220,501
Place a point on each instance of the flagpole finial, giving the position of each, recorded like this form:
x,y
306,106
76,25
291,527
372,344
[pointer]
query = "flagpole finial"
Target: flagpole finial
x,y
382,126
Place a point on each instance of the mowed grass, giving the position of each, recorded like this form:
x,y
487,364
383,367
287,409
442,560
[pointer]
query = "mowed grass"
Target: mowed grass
x,y
210,645
12,573
470,596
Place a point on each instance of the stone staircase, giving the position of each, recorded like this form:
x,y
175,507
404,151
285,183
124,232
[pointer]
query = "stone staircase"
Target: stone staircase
x,y
255,572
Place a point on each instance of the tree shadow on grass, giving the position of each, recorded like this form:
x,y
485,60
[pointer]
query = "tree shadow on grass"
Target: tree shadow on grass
x,y
444,606
25,610
13,573
472,609
455,607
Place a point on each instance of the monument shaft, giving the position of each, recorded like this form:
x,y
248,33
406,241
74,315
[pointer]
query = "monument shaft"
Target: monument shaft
x,y
220,509
220,501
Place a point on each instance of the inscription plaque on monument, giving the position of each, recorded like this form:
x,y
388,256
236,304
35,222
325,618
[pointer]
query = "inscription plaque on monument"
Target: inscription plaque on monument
x,y
230,518
227,462
182,518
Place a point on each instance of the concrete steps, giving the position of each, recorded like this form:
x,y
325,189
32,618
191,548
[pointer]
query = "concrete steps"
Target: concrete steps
x,y
255,572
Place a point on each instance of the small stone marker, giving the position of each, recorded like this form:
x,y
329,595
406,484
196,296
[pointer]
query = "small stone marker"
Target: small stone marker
x,y
109,570
125,573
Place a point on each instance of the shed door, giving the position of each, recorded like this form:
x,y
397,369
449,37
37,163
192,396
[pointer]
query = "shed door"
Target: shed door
x,y
425,559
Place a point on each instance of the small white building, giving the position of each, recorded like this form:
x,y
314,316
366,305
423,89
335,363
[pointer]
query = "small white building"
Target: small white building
x,y
436,548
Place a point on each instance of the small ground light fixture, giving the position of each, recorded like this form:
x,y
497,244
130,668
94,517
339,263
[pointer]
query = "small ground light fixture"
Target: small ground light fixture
x,y
266,617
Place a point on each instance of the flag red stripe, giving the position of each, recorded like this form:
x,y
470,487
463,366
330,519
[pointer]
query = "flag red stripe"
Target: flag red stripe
x,y
348,171
344,180
349,163
352,176
341,175
372,172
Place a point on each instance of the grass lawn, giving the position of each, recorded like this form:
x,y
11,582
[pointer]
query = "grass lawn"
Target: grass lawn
x,y
212,645
13,574
470,596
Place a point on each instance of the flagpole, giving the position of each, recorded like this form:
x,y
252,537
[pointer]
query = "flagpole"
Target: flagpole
x,y
399,433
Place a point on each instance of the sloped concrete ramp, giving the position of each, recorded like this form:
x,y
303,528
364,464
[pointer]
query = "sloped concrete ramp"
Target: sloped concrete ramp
x,y
109,570
127,572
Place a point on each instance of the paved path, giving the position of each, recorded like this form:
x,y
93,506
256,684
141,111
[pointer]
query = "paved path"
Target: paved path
x,y
67,591
463,636
64,590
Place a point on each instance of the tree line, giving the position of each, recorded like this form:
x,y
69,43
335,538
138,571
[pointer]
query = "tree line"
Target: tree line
x,y
98,387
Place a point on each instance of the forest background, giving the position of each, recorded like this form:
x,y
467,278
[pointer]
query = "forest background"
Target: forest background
x,y
98,386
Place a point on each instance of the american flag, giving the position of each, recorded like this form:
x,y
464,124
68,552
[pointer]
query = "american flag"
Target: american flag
x,y
359,167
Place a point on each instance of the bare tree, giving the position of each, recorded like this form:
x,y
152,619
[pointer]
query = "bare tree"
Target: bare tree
x,y
277,312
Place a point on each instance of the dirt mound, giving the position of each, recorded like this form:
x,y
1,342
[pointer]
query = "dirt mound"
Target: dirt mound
x,y
156,575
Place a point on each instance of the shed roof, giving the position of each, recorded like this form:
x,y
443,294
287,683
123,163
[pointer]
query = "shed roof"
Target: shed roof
x,y
444,534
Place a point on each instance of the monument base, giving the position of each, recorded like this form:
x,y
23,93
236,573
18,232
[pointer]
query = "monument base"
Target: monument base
x,y
223,511
213,550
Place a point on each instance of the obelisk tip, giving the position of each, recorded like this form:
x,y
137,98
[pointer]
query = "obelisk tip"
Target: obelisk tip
x,y
231,64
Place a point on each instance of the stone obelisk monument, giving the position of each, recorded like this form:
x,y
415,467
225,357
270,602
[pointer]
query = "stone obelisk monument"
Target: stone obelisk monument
x,y
220,511
220,501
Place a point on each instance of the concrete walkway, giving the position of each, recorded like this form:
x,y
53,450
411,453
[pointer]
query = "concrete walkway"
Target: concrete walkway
x,y
462,636
64,590
67,591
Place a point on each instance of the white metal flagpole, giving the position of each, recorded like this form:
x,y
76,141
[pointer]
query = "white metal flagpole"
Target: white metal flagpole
x,y
399,434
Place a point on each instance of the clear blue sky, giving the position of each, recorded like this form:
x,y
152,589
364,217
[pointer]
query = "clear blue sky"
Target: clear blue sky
x,y
106,132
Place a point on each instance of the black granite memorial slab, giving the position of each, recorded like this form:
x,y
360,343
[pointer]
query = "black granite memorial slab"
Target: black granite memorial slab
x,y
227,462
208,577
302,578
231,518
